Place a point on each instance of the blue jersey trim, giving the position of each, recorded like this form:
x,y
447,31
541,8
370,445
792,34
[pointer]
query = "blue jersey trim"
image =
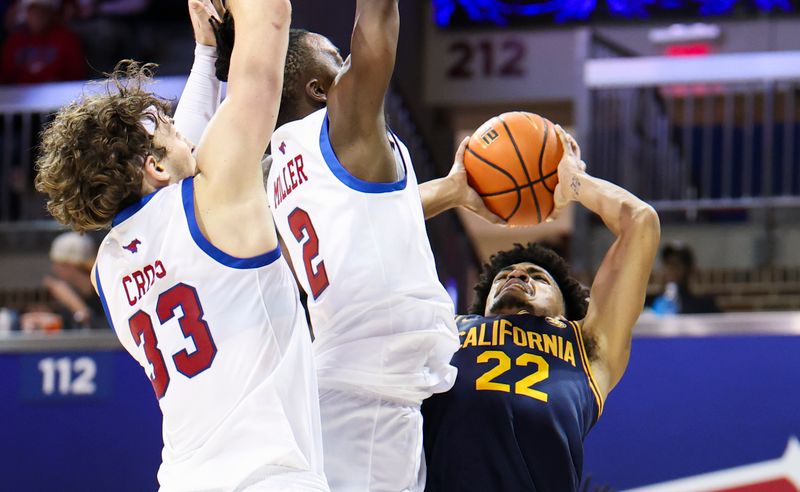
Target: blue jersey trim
x,y
344,176
187,191
103,297
128,211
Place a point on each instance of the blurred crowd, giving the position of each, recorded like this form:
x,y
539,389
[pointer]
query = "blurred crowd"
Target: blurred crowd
x,y
61,40
675,293
70,302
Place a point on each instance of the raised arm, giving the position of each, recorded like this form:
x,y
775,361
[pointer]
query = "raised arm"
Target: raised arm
x,y
355,102
361,87
201,96
230,198
618,291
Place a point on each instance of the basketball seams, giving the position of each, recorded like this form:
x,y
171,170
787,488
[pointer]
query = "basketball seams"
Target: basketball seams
x,y
544,147
541,156
541,159
524,168
507,174
519,187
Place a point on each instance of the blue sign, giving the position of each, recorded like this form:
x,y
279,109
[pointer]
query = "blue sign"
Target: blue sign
x,y
692,406
500,12
66,376
76,422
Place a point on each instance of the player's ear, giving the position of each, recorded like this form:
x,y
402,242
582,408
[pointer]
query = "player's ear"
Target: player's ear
x,y
316,91
155,174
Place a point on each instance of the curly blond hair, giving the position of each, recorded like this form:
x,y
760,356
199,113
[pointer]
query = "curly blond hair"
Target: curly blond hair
x,y
92,154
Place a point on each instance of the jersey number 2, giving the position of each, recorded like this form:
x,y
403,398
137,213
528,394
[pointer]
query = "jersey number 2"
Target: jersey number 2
x,y
192,325
301,226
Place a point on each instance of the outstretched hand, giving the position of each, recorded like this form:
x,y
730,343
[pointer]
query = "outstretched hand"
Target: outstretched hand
x,y
466,196
201,13
569,168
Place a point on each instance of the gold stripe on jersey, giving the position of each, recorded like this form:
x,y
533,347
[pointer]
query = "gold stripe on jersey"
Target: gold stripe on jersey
x,y
587,368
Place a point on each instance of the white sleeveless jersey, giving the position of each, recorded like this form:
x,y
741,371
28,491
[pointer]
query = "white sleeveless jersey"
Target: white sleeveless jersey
x,y
225,344
382,320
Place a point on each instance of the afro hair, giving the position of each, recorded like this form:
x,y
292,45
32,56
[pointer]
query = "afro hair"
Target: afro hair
x,y
575,295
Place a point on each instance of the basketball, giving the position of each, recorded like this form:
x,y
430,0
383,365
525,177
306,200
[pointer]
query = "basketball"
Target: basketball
x,y
512,161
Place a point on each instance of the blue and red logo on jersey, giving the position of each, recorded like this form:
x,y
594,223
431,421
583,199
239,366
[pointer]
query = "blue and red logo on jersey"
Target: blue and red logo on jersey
x,y
133,247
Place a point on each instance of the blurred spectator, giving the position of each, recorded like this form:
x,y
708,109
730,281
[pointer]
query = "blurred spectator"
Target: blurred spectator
x,y
42,49
676,297
72,257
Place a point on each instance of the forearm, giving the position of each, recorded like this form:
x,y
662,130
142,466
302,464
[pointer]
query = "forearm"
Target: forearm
x,y
437,196
373,48
377,19
619,208
256,71
259,52
201,96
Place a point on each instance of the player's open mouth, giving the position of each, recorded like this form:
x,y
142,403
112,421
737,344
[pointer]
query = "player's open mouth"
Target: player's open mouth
x,y
518,284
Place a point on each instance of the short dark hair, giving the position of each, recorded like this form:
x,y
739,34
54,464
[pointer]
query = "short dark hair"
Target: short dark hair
x,y
575,295
92,155
298,57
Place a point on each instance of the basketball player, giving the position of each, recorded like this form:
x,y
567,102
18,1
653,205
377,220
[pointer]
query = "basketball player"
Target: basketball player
x,y
190,274
537,358
347,205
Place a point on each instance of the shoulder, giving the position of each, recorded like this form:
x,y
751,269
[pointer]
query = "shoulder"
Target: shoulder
x,y
466,319
152,203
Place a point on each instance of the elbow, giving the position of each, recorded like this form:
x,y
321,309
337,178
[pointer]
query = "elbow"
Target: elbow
x,y
282,14
642,218
647,217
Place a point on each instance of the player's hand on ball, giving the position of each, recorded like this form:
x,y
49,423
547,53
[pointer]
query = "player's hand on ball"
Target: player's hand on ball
x,y
201,13
465,195
569,168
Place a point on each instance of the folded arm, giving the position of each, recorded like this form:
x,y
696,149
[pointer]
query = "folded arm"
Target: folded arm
x,y
619,288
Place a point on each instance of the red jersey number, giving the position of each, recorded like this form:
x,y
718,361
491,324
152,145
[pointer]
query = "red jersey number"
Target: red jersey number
x,y
192,325
300,225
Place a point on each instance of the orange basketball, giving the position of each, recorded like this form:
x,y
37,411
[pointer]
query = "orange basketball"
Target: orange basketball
x,y
512,161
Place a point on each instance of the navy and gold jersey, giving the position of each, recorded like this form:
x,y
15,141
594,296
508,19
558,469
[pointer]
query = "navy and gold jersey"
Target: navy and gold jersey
x,y
515,420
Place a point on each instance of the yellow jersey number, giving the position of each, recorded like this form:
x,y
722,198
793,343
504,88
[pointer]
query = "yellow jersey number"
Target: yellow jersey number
x,y
522,387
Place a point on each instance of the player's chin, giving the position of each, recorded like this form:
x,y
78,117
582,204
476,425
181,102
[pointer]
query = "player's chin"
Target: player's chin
x,y
511,301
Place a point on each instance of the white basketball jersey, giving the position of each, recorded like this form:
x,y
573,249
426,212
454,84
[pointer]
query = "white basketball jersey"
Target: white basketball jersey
x,y
225,344
382,320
